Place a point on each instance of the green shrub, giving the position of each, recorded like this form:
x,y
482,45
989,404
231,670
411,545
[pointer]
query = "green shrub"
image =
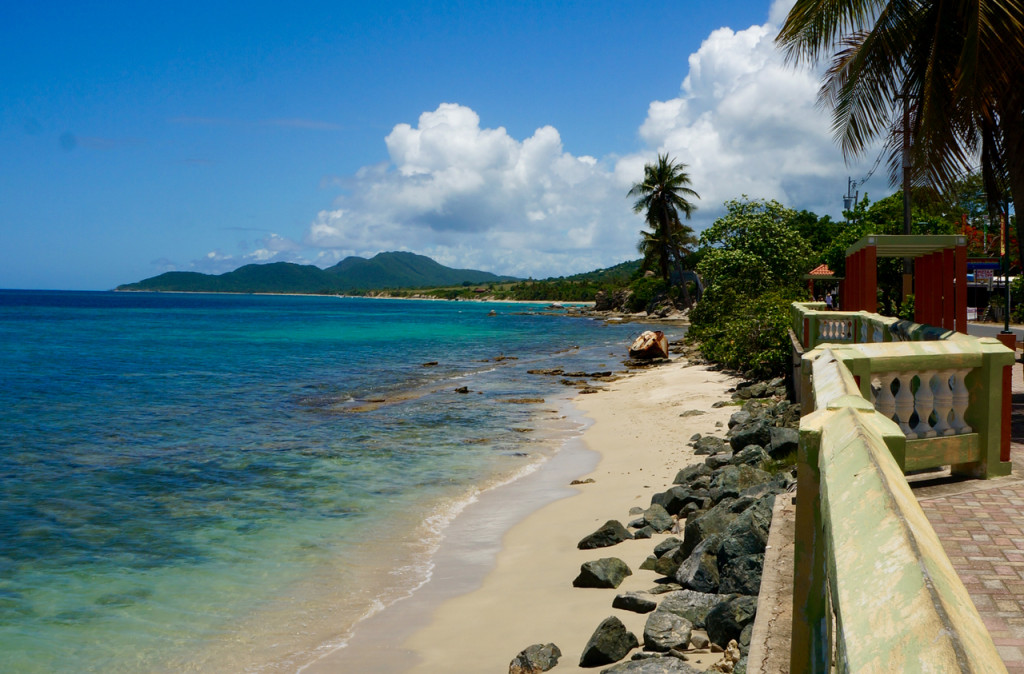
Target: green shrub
x,y
645,289
752,338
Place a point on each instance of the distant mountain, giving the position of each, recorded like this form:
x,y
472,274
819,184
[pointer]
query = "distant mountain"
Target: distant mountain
x,y
382,271
621,272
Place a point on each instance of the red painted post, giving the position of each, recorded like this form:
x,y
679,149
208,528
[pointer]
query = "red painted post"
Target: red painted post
x,y
871,279
937,285
854,283
961,289
948,302
920,286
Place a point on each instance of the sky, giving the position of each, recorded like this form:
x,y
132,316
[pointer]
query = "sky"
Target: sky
x,y
139,138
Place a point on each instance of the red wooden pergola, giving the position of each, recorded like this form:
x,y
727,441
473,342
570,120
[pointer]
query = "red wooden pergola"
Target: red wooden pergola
x,y
940,276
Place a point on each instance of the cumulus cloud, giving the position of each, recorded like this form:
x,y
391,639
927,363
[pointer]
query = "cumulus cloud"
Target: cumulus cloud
x,y
473,196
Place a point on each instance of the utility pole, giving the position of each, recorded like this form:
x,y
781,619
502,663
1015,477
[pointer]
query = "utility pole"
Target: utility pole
x,y
908,263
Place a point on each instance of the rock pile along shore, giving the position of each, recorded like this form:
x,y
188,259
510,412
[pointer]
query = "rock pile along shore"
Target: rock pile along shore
x,y
705,575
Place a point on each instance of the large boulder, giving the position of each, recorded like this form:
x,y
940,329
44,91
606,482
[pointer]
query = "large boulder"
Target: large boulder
x,y
756,432
783,441
665,631
690,473
751,455
608,572
610,643
726,621
610,533
714,521
700,570
742,575
709,444
675,498
694,606
535,658
731,481
748,533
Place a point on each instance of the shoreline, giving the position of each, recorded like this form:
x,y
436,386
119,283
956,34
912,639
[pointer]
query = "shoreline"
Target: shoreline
x,y
476,614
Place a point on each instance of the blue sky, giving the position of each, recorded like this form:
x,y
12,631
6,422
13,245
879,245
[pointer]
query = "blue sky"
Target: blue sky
x,y
144,137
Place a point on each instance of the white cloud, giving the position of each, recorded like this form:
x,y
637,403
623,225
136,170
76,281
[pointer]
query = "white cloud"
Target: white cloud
x,y
470,196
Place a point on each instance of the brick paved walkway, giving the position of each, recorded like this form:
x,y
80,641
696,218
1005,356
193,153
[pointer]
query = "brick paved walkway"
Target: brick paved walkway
x,y
982,531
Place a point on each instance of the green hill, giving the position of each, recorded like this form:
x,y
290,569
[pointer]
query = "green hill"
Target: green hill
x,y
383,271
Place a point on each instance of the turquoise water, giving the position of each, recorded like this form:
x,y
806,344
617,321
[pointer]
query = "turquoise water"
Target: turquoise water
x,y
212,483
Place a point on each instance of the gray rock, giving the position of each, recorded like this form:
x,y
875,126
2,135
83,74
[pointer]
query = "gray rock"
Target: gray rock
x,y
716,461
692,413
694,438
694,606
669,563
742,575
675,498
700,526
731,481
751,455
700,570
648,564
664,588
607,572
727,620
666,545
709,444
535,658
690,473
748,533
699,641
739,418
664,631
637,602
654,665
636,510
757,432
611,533
610,643
657,518
782,441
745,635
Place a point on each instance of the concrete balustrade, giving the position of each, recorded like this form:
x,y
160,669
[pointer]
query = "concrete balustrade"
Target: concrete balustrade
x,y
873,589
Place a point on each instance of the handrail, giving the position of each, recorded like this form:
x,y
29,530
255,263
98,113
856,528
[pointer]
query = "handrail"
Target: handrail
x,y
866,558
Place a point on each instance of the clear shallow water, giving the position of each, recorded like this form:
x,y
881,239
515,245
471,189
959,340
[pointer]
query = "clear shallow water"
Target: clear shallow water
x,y
207,483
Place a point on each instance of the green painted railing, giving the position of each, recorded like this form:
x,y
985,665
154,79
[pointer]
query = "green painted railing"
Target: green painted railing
x,y
873,589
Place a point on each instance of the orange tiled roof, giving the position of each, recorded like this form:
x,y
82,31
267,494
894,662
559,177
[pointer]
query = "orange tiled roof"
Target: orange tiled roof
x,y
821,270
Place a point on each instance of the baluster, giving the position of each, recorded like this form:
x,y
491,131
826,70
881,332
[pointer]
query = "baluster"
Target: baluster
x,y
863,331
924,404
961,398
878,335
885,403
905,404
943,402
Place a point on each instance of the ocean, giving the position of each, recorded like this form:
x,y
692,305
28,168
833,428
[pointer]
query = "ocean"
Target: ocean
x,y
218,483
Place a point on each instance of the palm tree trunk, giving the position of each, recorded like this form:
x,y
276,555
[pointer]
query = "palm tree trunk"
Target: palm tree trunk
x,y
1013,136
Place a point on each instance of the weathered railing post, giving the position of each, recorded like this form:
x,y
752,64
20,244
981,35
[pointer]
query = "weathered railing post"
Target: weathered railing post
x,y
989,414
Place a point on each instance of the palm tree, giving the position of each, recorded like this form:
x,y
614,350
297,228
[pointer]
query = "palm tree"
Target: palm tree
x,y
954,62
663,194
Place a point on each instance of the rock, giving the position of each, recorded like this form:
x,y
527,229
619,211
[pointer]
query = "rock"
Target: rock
x,y
554,371
669,563
739,418
664,631
694,438
535,658
589,480
699,641
462,389
637,602
726,621
664,588
731,481
731,655
652,665
606,572
747,534
783,441
666,545
742,575
673,499
657,518
432,363
699,527
700,570
694,606
692,413
650,344
610,643
690,473
645,532
716,461
751,455
649,563
745,635
636,510
610,533
757,432
709,444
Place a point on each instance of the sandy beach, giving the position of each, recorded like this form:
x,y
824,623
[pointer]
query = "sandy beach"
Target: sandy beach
x,y
485,605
